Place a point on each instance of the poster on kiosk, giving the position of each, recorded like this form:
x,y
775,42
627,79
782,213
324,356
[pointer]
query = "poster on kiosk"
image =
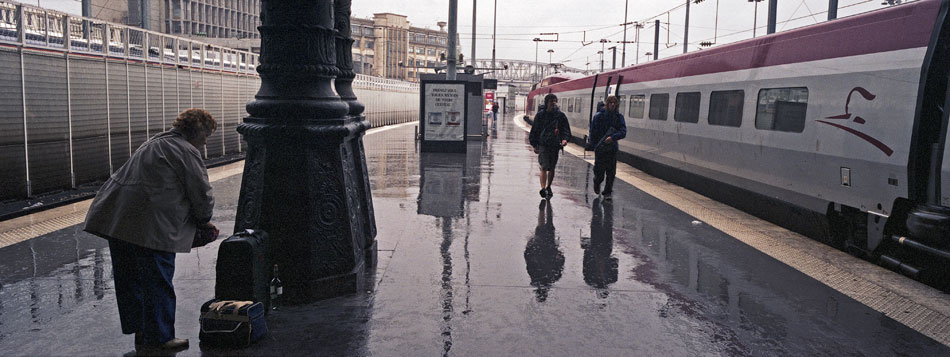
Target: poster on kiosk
x,y
443,116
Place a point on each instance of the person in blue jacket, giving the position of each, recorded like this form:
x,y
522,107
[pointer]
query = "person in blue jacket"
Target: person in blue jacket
x,y
607,127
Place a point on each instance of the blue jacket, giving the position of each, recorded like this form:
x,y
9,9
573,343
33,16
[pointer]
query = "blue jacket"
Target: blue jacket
x,y
599,127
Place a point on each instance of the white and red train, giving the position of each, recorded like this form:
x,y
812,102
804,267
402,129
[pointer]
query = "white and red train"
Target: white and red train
x,y
843,120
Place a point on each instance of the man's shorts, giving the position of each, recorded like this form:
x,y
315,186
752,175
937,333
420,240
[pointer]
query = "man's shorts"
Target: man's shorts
x,y
547,157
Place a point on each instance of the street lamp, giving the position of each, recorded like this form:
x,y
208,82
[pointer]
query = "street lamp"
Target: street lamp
x,y
755,19
550,51
536,40
648,54
603,44
623,53
601,53
637,40
494,27
613,64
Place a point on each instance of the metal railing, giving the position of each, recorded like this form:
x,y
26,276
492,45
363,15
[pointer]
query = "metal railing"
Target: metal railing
x,y
73,111
26,25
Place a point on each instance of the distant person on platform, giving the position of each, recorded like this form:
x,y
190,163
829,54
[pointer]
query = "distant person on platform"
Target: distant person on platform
x,y
548,135
494,111
151,208
607,127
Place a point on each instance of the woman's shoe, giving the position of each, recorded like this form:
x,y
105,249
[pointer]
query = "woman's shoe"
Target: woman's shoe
x,y
175,344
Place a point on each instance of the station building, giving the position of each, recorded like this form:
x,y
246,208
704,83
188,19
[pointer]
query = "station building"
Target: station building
x,y
389,46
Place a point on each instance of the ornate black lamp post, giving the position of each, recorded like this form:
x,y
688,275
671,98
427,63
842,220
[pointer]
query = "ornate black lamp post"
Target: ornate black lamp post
x,y
305,174
344,87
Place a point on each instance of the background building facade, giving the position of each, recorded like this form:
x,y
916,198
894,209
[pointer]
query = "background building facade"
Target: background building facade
x,y
385,46
388,46
227,23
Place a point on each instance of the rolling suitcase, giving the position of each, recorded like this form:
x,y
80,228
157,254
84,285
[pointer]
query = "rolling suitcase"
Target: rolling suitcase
x,y
242,270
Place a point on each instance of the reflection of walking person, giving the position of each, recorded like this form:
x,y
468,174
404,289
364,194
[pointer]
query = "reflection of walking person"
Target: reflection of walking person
x,y
542,256
600,268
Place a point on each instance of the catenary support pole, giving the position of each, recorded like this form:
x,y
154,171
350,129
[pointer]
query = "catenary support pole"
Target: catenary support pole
x,y
773,8
686,29
656,40
452,57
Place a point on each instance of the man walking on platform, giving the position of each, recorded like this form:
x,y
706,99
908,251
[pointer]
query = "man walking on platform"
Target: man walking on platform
x,y
548,135
606,128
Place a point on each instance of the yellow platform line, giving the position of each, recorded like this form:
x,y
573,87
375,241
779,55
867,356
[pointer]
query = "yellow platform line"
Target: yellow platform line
x,y
24,228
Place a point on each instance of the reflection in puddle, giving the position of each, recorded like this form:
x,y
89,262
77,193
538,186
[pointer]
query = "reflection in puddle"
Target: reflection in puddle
x,y
49,276
543,258
600,267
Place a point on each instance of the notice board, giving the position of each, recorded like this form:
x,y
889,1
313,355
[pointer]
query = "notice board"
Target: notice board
x,y
443,115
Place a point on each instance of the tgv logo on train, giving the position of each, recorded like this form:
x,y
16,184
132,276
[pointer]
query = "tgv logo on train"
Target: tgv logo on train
x,y
847,115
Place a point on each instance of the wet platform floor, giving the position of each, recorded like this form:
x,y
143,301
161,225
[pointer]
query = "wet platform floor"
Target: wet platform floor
x,y
474,262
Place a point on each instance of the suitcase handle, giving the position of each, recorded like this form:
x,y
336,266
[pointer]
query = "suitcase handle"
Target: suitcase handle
x,y
236,327
220,306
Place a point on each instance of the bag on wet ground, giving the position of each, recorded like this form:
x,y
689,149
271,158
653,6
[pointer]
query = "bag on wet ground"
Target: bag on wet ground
x,y
231,324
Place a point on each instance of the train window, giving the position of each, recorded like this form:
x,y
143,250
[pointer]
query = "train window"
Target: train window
x,y
570,105
687,107
621,104
636,106
659,106
725,107
782,109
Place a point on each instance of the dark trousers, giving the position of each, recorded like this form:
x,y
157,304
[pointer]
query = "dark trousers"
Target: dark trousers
x,y
605,162
144,291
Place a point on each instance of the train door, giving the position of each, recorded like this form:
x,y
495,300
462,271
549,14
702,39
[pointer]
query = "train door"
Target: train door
x,y
928,223
928,147
594,100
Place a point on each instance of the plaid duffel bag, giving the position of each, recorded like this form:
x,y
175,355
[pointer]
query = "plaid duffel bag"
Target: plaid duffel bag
x,y
231,324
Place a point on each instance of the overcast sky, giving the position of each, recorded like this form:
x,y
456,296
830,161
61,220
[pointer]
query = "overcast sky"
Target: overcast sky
x,y
519,21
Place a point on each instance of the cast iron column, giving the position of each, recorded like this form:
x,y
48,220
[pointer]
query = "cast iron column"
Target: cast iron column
x,y
344,87
301,183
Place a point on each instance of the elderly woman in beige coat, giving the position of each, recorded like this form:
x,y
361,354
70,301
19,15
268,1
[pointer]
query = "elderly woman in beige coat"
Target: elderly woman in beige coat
x,y
149,210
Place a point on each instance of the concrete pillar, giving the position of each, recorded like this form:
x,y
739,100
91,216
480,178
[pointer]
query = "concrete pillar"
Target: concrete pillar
x,y
301,183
